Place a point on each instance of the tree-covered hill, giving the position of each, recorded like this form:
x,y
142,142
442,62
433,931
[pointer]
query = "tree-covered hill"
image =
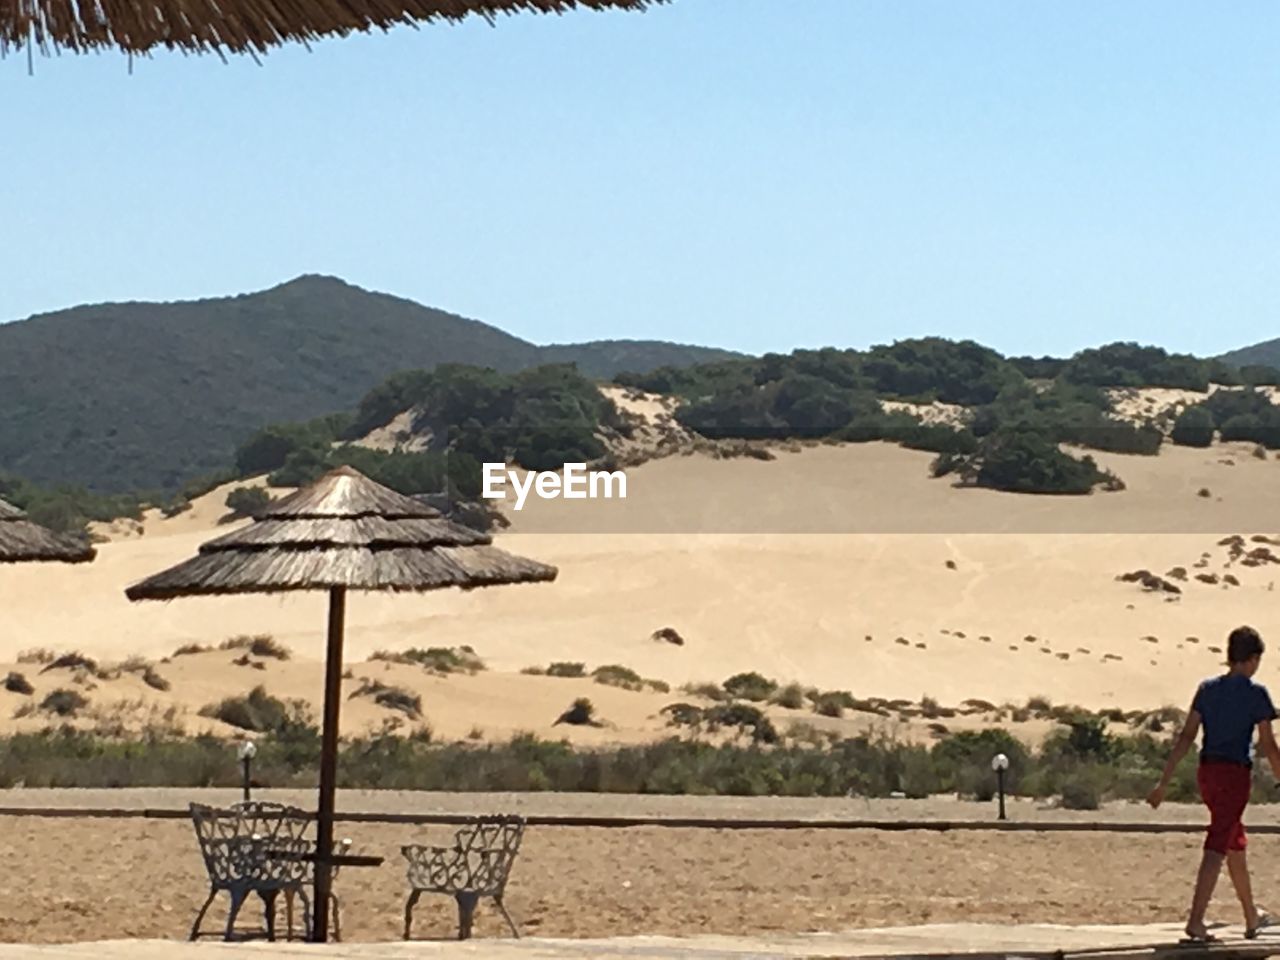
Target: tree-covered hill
x,y
1264,354
145,396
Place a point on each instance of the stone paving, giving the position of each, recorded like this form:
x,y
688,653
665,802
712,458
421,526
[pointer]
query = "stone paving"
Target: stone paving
x,y
954,939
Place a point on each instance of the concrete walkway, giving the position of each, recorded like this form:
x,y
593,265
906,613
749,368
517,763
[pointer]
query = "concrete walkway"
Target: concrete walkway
x,y
954,939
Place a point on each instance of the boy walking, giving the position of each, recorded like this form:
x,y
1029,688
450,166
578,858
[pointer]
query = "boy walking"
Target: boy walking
x,y
1229,707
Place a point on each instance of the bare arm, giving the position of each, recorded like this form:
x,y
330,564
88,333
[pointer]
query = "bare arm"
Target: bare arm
x,y
1267,741
1181,747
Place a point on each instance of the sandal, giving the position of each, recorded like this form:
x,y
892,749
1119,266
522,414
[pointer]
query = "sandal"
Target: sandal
x,y
1265,922
1198,940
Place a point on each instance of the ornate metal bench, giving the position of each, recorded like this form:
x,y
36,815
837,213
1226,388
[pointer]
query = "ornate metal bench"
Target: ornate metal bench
x,y
241,847
477,865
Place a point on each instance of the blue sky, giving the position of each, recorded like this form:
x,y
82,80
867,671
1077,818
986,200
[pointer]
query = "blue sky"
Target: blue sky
x,y
757,174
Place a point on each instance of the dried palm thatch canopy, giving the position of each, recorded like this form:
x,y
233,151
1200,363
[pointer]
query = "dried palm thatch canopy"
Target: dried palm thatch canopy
x,y
344,532
238,26
22,541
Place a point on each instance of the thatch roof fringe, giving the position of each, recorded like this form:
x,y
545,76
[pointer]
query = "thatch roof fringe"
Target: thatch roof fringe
x,y
239,26
22,541
399,569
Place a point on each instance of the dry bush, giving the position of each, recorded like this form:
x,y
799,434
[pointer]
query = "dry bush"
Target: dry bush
x,y
77,662
439,660
17,683
391,697
790,696
581,713
615,675
257,711
259,645
707,691
145,670
62,703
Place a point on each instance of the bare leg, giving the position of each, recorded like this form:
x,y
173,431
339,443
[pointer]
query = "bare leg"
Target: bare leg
x,y
1238,868
1206,880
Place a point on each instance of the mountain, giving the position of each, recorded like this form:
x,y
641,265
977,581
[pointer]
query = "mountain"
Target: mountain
x,y
607,358
127,396
1264,354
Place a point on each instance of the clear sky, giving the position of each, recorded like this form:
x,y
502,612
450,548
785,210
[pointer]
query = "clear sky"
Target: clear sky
x,y
756,174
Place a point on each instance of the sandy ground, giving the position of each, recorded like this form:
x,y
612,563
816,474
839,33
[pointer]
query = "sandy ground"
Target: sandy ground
x,y
110,879
946,593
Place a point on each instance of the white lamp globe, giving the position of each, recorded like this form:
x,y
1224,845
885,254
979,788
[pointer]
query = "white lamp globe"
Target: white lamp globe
x,y
999,762
247,750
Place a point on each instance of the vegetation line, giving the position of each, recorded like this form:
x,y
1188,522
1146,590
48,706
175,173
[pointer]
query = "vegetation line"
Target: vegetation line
x,y
681,823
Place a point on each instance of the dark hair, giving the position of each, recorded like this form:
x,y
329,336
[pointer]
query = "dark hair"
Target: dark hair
x,y
1243,645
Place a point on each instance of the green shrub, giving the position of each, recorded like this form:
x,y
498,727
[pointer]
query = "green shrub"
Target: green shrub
x,y
917,777
743,716
615,675
248,501
873,766
961,372
1081,792
938,438
682,714
1194,427
1113,436
563,669
1082,738
963,761
750,686
833,703
1262,428
1131,365
1021,460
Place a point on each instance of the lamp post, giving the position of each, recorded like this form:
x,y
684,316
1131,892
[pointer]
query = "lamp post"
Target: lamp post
x,y
1000,763
246,752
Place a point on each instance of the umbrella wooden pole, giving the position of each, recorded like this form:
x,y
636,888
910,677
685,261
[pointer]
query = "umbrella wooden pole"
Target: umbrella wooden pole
x,y
328,764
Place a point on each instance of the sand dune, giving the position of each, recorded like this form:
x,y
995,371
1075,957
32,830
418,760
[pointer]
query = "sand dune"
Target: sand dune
x,y
930,590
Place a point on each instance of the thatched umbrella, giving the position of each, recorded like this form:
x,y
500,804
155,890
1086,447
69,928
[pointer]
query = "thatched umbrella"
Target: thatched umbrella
x,y
344,532
22,541
238,26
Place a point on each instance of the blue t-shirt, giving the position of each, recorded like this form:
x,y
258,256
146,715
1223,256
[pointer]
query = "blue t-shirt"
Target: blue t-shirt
x,y
1230,706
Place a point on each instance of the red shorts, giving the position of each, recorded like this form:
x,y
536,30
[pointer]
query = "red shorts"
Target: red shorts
x,y
1225,787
